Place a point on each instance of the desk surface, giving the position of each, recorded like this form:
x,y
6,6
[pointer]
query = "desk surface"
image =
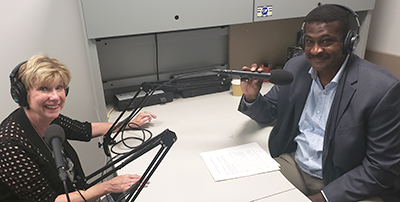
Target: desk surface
x,y
206,123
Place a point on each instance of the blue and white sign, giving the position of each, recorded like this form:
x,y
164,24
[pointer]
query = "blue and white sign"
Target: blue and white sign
x,y
264,11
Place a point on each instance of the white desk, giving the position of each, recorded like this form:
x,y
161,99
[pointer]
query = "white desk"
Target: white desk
x,y
206,123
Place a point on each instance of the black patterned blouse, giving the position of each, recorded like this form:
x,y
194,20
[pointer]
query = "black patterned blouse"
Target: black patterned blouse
x,y
27,168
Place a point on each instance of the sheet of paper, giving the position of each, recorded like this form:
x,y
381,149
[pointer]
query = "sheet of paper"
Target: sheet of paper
x,y
239,161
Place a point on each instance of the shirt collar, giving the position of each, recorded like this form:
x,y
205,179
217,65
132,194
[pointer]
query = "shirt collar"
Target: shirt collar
x,y
314,74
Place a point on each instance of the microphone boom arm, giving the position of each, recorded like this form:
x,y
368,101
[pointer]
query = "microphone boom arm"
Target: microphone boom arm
x,y
107,139
147,87
166,139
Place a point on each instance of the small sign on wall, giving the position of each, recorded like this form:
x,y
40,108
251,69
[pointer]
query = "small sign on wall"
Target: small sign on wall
x,y
264,11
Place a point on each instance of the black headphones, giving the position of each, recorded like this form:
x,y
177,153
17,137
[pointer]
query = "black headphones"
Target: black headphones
x,y
18,90
352,36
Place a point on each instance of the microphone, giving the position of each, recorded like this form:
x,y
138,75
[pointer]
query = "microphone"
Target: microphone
x,y
54,136
276,76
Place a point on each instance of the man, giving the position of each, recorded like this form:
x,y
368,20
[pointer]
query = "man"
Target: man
x,y
337,131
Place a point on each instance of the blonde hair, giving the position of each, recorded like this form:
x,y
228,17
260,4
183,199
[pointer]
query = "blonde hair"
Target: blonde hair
x,y
43,70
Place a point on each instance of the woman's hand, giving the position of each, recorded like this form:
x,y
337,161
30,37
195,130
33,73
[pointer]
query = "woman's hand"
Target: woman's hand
x,y
121,183
142,117
117,184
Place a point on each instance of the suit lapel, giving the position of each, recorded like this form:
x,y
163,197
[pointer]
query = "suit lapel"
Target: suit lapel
x,y
344,94
300,93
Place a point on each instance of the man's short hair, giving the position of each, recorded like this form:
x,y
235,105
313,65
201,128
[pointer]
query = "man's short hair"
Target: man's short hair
x,y
330,13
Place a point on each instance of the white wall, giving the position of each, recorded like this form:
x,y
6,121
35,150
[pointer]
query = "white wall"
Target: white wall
x,y
55,28
385,27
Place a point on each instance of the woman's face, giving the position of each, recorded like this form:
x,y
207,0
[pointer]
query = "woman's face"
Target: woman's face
x,y
46,100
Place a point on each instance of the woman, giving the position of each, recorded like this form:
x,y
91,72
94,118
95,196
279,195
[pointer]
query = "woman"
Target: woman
x,y
27,168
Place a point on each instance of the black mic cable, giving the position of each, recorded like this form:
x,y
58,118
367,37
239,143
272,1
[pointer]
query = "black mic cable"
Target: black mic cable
x,y
150,89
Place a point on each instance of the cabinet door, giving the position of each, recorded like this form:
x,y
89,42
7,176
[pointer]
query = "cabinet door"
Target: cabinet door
x,y
105,18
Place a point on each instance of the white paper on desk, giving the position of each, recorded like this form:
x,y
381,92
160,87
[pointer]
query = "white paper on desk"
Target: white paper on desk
x,y
239,161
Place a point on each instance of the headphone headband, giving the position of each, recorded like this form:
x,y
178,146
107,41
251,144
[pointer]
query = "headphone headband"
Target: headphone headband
x,y
14,72
354,14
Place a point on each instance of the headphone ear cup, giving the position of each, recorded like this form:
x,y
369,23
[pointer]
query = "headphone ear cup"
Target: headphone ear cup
x,y
14,94
18,93
350,42
301,41
18,90
66,91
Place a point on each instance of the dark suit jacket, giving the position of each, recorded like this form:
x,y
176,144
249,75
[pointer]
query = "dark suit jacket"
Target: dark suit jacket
x,y
361,151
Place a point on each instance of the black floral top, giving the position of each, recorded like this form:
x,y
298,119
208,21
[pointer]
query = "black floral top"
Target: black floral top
x,y
27,167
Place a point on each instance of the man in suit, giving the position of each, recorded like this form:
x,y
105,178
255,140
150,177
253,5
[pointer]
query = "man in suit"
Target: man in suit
x,y
337,130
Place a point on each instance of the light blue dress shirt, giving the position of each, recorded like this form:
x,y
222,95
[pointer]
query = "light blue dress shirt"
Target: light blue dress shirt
x,y
313,122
